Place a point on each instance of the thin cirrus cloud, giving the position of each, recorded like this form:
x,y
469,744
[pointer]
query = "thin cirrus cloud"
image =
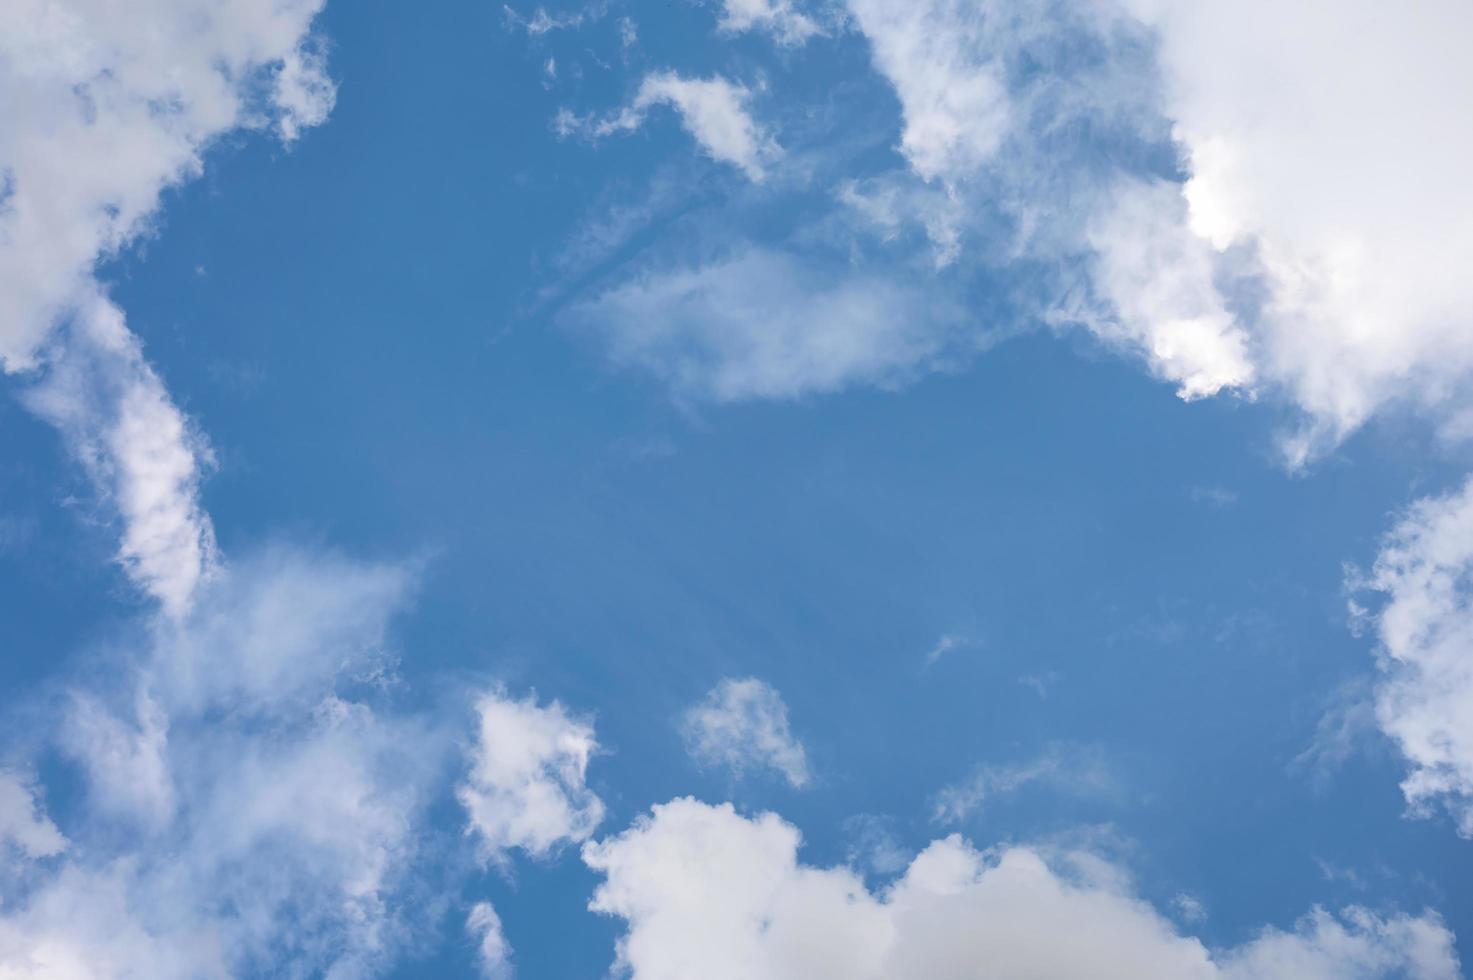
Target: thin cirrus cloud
x,y
742,724
704,891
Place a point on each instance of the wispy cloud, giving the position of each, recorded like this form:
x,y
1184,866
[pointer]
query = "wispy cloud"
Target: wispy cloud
x,y
742,724
714,111
1073,770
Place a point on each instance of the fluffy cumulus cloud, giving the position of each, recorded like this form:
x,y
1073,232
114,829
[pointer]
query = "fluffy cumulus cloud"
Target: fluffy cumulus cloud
x,y
743,725
1424,573
526,787
705,891
526,790
1333,140
1330,179
1159,279
714,111
106,107
250,801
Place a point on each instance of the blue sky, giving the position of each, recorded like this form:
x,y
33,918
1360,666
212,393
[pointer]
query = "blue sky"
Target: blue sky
x,y
484,483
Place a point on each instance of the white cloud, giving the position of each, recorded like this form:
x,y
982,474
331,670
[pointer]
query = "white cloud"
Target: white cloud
x,y
952,92
238,813
106,106
743,725
1425,627
1334,138
138,448
767,324
706,892
1073,770
526,786
491,947
947,643
1158,277
1312,248
23,824
1327,188
713,111
778,17
541,22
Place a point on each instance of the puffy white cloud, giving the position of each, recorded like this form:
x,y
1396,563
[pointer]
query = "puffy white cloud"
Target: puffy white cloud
x,y
1159,279
988,132
1425,628
713,110
743,725
23,825
778,17
526,786
767,324
243,814
138,448
1334,139
106,106
707,892
491,947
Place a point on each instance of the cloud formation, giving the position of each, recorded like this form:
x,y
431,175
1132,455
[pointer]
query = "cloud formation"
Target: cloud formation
x,y
707,892
1424,701
492,951
526,786
249,802
1180,216
762,323
742,724
780,18
712,110
106,107
1072,770
1333,140
953,95
139,450
23,825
